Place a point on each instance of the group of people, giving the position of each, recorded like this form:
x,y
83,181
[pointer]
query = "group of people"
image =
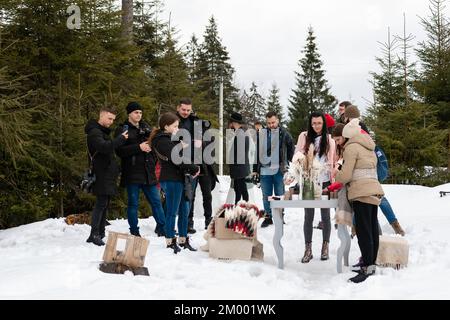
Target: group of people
x,y
343,146
142,151
347,152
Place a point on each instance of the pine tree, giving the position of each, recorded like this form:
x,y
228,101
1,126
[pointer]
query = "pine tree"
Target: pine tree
x,y
312,92
171,80
408,68
192,56
72,73
434,54
214,66
413,145
433,83
149,33
255,105
388,84
200,99
273,102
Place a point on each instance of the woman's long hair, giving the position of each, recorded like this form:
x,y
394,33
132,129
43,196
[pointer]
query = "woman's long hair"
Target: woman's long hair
x,y
166,119
312,135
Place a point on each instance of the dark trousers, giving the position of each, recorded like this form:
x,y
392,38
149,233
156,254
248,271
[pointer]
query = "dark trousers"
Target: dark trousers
x,y
366,225
240,188
153,197
308,224
175,205
98,220
309,219
205,186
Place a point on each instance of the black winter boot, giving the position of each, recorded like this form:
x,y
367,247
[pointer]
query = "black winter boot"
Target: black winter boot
x,y
95,239
363,274
159,230
136,233
184,243
172,244
267,222
191,229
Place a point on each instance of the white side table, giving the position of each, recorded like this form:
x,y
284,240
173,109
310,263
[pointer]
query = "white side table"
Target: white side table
x,y
277,209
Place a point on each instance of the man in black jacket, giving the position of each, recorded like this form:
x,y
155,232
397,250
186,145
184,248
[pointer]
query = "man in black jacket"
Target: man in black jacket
x,y
207,178
101,150
239,153
275,138
138,169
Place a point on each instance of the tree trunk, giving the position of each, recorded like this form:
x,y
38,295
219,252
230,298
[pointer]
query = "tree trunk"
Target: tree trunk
x,y
127,21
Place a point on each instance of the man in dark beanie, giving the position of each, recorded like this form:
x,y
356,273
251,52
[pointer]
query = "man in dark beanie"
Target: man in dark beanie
x,y
138,169
133,106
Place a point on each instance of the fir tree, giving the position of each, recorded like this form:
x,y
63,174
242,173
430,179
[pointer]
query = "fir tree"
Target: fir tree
x,y
171,80
214,67
312,92
413,145
255,105
433,83
434,54
273,102
72,73
388,84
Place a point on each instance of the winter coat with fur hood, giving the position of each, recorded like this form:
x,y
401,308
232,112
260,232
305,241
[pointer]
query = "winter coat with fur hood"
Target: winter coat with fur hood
x,y
359,170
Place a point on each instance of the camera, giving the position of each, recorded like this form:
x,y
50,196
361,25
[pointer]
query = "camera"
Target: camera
x,y
145,132
253,179
87,183
206,124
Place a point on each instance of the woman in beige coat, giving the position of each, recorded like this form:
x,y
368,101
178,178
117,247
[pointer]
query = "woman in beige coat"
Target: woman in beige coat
x,y
359,172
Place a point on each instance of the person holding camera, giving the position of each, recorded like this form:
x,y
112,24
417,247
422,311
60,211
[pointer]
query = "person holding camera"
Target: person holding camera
x,y
106,170
207,178
172,180
138,169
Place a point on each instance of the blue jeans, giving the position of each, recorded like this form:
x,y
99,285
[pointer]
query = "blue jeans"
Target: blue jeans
x,y
386,208
152,195
269,184
175,203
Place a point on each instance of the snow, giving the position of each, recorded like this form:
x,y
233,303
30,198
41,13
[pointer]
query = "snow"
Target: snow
x,y
51,260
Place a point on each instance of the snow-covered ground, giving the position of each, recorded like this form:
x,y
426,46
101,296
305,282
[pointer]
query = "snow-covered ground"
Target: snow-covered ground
x,y
51,260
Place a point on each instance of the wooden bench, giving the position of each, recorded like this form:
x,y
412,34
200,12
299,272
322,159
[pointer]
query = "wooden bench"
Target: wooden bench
x,y
443,193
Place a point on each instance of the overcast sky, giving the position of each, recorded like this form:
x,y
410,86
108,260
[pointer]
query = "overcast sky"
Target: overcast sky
x,y
265,38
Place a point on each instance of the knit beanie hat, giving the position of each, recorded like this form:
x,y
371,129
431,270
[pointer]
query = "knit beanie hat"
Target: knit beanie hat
x,y
329,120
351,129
133,106
337,130
352,112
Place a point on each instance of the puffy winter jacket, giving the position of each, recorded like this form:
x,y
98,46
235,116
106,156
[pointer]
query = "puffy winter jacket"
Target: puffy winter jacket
x,y
162,145
101,148
359,170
